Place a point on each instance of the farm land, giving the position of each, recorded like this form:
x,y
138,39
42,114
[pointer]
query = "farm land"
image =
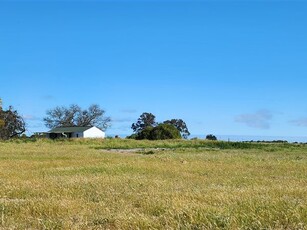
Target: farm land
x,y
129,184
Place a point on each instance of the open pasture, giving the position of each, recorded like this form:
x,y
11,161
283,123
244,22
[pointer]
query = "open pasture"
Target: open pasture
x,y
81,184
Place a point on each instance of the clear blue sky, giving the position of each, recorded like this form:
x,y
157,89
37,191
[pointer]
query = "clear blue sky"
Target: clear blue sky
x,y
224,67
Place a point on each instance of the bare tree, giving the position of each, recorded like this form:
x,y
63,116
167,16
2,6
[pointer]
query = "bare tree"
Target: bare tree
x,y
75,116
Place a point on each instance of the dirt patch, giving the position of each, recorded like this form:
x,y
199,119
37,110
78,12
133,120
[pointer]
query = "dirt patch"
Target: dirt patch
x,y
135,150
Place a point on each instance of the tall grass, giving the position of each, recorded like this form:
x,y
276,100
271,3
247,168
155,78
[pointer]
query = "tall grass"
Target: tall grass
x,y
79,184
179,143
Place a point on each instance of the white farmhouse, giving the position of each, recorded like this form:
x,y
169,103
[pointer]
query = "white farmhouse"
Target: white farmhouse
x,y
76,132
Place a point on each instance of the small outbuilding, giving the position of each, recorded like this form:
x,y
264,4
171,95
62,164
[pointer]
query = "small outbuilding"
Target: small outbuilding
x,y
76,132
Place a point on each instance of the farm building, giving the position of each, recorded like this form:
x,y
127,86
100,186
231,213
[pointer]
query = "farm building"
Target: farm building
x,y
76,132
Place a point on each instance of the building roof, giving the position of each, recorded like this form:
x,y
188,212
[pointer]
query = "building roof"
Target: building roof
x,y
70,129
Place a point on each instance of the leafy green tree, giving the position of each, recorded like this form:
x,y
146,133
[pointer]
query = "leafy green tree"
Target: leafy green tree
x,y
147,128
160,132
132,136
11,124
75,116
180,125
144,121
145,133
164,132
2,123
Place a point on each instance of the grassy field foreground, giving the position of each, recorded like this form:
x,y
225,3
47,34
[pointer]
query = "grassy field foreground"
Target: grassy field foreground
x,y
188,185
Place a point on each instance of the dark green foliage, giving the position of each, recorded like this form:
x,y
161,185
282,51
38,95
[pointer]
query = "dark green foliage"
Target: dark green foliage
x,y
2,123
180,125
161,132
12,124
164,132
147,128
144,121
145,134
76,116
211,137
132,136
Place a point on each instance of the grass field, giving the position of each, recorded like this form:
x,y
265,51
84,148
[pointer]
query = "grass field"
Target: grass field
x,y
81,184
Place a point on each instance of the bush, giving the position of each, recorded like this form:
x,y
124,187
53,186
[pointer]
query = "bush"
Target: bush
x,y
211,137
164,132
145,133
132,136
160,132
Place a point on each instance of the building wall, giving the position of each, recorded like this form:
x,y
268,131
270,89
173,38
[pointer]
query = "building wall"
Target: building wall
x,y
77,135
55,135
94,133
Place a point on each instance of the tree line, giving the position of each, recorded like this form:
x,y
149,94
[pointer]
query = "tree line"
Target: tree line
x,y
146,127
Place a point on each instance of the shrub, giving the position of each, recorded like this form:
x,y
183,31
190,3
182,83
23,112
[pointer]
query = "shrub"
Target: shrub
x,y
132,136
160,132
211,137
145,133
164,132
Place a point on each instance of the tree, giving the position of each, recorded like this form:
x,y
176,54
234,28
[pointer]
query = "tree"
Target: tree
x,y
180,125
145,120
75,116
164,132
11,123
145,134
146,123
160,132
1,121
211,137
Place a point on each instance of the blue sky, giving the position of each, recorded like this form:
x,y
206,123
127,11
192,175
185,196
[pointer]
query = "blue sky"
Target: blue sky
x,y
224,67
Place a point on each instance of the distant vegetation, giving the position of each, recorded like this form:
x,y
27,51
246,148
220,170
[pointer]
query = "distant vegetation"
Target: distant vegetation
x,y
114,143
12,125
159,132
146,127
211,137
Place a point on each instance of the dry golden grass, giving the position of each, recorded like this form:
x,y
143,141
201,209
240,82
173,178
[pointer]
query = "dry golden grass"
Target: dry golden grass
x,y
75,185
